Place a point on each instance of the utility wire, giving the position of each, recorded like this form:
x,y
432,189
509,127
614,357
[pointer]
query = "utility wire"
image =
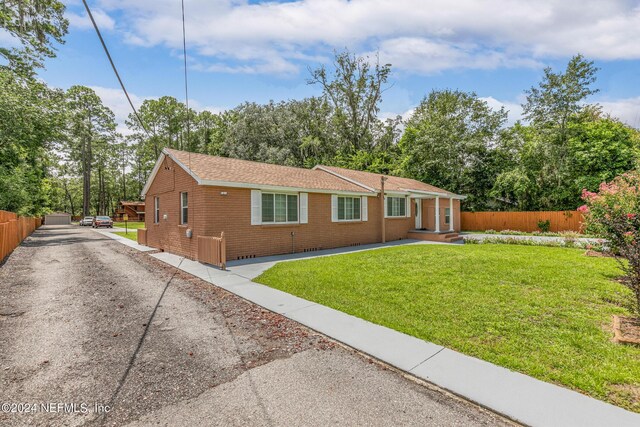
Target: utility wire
x,y
186,92
115,70
186,84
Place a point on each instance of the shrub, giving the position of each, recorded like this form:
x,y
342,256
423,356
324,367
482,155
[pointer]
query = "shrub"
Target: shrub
x,y
614,214
564,243
544,226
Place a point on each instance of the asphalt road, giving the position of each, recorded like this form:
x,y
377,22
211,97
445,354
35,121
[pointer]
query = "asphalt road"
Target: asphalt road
x,y
95,333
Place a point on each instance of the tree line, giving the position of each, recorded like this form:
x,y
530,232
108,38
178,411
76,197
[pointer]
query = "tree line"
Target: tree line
x,y
60,149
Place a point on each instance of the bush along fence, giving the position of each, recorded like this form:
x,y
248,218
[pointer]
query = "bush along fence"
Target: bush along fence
x,y
554,221
13,230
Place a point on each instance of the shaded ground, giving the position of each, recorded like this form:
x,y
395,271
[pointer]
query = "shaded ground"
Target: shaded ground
x,y
86,320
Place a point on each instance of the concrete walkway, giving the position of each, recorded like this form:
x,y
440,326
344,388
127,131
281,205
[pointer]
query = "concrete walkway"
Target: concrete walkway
x,y
111,233
515,395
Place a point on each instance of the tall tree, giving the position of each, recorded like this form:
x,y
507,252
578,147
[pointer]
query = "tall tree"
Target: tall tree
x,y
448,142
544,173
91,126
354,88
30,122
37,25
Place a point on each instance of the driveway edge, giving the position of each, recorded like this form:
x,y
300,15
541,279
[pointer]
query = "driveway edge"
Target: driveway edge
x,y
517,396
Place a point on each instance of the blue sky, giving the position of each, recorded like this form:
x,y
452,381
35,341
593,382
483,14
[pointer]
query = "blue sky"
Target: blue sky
x,y
257,51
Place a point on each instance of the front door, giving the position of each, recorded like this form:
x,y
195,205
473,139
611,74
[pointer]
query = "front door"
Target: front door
x,y
418,214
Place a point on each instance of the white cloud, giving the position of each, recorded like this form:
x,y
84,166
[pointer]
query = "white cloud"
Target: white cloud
x,y
117,102
115,99
513,108
422,36
426,56
627,110
82,21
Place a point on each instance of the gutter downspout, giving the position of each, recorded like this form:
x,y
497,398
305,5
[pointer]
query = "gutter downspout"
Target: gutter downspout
x,y
382,180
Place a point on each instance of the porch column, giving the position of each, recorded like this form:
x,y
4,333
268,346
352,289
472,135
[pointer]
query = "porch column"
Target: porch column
x,y
437,214
451,214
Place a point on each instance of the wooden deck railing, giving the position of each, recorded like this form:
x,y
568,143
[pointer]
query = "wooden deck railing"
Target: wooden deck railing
x,y
213,250
521,221
13,230
142,236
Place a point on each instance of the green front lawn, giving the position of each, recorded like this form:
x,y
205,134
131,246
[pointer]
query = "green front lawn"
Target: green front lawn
x,y
542,311
130,224
132,235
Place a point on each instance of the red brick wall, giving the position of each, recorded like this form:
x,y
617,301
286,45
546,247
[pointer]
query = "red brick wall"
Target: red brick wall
x,y
211,212
231,213
168,234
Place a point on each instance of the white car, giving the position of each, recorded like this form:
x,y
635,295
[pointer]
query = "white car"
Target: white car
x,y
87,220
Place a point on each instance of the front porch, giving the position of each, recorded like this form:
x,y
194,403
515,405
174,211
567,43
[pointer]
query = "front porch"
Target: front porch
x,y
435,236
436,217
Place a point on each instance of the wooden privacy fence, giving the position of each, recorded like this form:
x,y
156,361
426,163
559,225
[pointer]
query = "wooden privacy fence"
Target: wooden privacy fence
x,y
14,229
213,250
142,236
521,221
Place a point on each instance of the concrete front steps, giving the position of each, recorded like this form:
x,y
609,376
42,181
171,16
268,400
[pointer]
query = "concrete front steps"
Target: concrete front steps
x,y
432,236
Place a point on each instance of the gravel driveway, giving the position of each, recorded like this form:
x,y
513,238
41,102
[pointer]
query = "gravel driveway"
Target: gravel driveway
x,y
88,324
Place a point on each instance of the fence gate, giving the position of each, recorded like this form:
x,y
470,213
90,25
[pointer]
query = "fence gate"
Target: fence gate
x,y
213,250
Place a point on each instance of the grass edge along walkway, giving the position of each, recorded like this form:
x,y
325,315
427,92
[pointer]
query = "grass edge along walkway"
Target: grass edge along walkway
x,y
542,311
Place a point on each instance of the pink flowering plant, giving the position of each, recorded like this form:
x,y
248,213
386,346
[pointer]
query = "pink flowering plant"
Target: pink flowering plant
x,y
613,213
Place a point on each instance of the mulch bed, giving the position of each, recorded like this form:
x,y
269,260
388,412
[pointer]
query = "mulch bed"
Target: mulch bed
x,y
626,330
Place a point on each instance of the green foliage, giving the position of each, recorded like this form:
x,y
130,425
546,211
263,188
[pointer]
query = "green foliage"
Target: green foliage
x,y
30,121
614,214
544,226
448,143
36,25
89,144
354,89
567,146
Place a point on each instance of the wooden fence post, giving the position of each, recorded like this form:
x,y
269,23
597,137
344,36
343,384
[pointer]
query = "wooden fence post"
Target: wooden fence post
x,y
223,251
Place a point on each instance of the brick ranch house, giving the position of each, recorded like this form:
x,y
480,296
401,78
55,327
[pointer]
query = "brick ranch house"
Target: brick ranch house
x,y
266,209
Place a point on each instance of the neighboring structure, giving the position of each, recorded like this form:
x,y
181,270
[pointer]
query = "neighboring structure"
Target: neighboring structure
x,y
59,218
133,210
266,209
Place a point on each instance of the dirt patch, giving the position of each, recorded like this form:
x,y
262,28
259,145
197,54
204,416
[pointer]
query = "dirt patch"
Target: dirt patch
x,y
625,395
626,330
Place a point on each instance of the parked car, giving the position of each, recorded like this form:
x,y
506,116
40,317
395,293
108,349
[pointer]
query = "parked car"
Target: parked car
x,y
87,220
102,221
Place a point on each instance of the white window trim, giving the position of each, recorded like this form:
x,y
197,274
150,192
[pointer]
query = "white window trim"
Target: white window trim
x,y
386,207
262,222
156,210
182,206
447,222
349,220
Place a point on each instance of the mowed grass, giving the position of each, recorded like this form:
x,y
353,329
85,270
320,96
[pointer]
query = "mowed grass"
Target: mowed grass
x,y
134,225
132,235
543,311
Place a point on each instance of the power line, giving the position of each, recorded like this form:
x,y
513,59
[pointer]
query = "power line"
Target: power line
x,y
115,70
186,84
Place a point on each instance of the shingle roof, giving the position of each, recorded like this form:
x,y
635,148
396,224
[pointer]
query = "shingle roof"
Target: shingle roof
x,y
393,183
327,178
213,168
